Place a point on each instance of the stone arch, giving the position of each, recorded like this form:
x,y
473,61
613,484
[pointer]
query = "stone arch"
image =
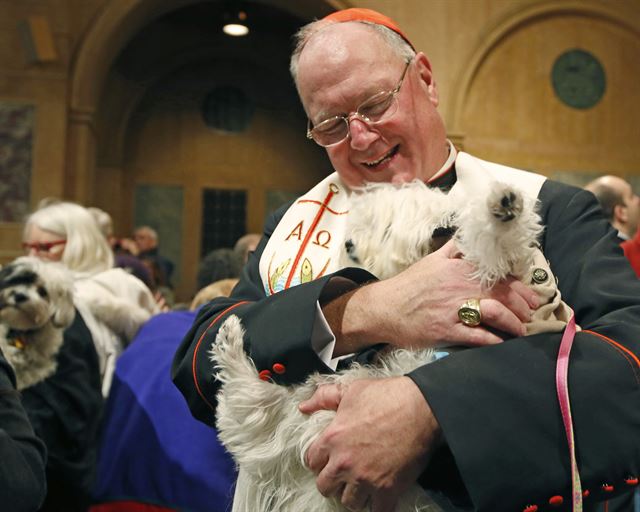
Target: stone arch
x,y
114,25
491,38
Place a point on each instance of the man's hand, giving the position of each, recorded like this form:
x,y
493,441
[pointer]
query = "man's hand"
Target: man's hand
x,y
376,446
419,307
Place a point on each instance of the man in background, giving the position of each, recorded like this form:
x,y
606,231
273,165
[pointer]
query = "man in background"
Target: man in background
x,y
146,239
619,202
621,205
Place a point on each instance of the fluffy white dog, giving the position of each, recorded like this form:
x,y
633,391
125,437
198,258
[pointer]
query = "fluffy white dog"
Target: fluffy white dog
x,y
36,306
388,229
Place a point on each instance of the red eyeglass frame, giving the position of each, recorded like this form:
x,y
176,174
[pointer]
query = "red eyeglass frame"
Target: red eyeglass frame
x,y
42,246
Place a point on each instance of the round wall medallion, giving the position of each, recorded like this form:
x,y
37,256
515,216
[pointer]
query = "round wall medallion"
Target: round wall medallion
x,y
578,79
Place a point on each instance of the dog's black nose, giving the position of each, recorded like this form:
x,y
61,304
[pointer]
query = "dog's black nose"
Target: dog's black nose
x,y
19,297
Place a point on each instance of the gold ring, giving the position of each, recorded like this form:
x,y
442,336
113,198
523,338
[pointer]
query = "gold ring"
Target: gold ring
x,y
469,313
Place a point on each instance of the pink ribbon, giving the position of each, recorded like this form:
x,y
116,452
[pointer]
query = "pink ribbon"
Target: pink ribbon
x,y
562,388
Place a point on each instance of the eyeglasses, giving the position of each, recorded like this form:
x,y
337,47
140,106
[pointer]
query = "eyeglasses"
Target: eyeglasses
x,y
42,246
377,108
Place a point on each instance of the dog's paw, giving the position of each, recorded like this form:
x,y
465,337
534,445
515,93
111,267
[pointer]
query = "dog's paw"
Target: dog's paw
x,y
505,203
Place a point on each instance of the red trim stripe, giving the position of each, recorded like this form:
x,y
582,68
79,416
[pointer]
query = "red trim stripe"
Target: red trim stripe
x,y
129,506
617,345
307,237
195,351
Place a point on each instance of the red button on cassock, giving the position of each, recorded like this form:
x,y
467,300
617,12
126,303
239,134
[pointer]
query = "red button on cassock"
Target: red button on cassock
x,y
632,480
556,501
531,508
279,368
264,375
607,487
585,493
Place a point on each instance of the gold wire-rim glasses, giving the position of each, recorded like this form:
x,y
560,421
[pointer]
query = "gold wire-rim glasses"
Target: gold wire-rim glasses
x,y
381,106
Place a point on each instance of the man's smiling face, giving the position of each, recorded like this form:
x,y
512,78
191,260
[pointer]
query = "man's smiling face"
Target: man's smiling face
x,y
344,65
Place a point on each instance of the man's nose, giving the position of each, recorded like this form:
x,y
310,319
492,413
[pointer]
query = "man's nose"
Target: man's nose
x,y
362,135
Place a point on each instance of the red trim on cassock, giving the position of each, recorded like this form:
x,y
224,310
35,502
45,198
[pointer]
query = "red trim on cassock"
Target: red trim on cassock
x,y
129,506
617,345
195,351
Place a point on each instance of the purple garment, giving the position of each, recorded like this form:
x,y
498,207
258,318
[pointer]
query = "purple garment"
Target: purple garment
x,y
134,266
152,449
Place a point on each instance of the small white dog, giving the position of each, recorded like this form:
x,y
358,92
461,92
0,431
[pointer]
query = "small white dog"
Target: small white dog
x,y
388,229
36,306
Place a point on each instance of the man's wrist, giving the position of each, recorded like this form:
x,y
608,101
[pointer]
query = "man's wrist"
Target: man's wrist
x,y
355,319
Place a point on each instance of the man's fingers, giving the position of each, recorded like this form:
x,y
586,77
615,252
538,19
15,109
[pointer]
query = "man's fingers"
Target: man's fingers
x,y
449,250
383,502
329,482
524,291
496,315
518,297
326,397
355,497
316,457
473,336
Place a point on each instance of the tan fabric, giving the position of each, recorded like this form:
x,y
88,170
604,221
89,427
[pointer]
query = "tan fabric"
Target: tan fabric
x,y
553,313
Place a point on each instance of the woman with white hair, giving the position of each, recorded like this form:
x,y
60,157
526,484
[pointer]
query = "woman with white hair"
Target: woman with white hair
x,y
113,303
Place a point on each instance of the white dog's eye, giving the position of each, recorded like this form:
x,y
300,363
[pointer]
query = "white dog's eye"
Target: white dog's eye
x,y
42,291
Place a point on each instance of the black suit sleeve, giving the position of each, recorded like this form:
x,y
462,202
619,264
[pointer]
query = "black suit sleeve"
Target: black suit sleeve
x,y
22,454
278,330
497,405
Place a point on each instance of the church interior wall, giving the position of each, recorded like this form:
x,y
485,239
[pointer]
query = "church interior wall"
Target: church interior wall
x,y
492,60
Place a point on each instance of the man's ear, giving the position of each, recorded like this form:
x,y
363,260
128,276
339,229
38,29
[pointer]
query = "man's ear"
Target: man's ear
x,y
620,213
423,66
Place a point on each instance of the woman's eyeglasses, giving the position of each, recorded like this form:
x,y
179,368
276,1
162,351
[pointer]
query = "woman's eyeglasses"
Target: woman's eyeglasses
x,y
42,246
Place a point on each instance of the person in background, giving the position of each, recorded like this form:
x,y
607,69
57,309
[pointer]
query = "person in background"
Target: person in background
x,y
123,258
620,204
68,233
153,452
146,242
221,288
218,264
631,250
22,453
247,244
482,427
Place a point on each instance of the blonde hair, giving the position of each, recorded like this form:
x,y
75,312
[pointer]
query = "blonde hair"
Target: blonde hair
x,y
86,250
222,288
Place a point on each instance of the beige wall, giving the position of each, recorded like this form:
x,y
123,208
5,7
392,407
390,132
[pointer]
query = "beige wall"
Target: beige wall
x,y
173,146
44,85
492,60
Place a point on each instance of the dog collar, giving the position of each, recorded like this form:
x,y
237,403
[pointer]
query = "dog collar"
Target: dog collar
x,y
17,339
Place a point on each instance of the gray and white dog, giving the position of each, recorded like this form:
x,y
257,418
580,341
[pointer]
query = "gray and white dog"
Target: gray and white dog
x,y
388,229
36,306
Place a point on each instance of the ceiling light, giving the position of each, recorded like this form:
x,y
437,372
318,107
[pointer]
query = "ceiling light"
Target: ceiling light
x,y
236,25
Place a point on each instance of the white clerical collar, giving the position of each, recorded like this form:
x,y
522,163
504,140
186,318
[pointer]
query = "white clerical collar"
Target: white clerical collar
x,y
446,167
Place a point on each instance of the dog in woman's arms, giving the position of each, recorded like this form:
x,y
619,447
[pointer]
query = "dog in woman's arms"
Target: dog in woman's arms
x,y
389,228
36,306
